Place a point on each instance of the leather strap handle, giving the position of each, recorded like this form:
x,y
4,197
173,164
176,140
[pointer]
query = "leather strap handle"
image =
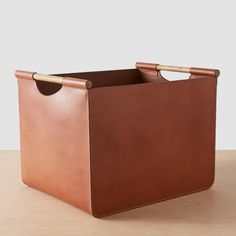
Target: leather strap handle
x,y
67,81
191,70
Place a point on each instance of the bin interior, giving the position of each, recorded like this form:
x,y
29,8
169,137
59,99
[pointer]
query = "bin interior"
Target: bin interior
x,y
103,79
115,77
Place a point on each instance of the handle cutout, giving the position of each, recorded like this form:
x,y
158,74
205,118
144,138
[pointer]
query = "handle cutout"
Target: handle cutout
x,y
46,88
174,76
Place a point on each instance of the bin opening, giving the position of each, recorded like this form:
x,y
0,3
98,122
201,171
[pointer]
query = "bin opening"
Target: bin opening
x,y
116,77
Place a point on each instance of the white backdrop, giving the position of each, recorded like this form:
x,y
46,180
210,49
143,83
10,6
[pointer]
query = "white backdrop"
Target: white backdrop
x,y
69,36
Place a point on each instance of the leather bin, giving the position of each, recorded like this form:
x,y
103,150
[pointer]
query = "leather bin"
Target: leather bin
x,y
109,141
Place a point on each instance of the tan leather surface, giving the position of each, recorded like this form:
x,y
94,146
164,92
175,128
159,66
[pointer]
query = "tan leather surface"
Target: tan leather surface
x,y
55,142
134,138
151,142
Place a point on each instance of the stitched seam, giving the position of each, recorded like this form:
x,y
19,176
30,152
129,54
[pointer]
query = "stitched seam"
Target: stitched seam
x,y
90,153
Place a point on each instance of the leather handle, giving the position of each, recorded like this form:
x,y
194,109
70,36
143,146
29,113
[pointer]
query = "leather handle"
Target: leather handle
x,y
191,70
67,81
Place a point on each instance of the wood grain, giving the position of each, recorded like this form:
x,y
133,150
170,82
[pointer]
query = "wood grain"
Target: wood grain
x,y
25,211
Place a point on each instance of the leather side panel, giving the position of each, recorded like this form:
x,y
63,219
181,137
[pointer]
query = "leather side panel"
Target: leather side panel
x,y
151,142
55,142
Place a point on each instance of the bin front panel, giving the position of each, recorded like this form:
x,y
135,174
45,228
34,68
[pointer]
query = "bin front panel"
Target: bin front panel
x,y
55,142
151,142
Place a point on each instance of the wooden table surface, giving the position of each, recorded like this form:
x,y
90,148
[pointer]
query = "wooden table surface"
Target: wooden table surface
x,y
25,211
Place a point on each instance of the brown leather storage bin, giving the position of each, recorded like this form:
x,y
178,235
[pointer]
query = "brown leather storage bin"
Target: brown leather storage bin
x,y
113,140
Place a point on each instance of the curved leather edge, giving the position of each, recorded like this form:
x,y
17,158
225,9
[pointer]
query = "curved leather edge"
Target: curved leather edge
x,y
20,74
204,71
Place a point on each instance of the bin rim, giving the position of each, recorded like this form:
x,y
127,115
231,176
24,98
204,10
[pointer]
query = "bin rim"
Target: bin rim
x,y
67,81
